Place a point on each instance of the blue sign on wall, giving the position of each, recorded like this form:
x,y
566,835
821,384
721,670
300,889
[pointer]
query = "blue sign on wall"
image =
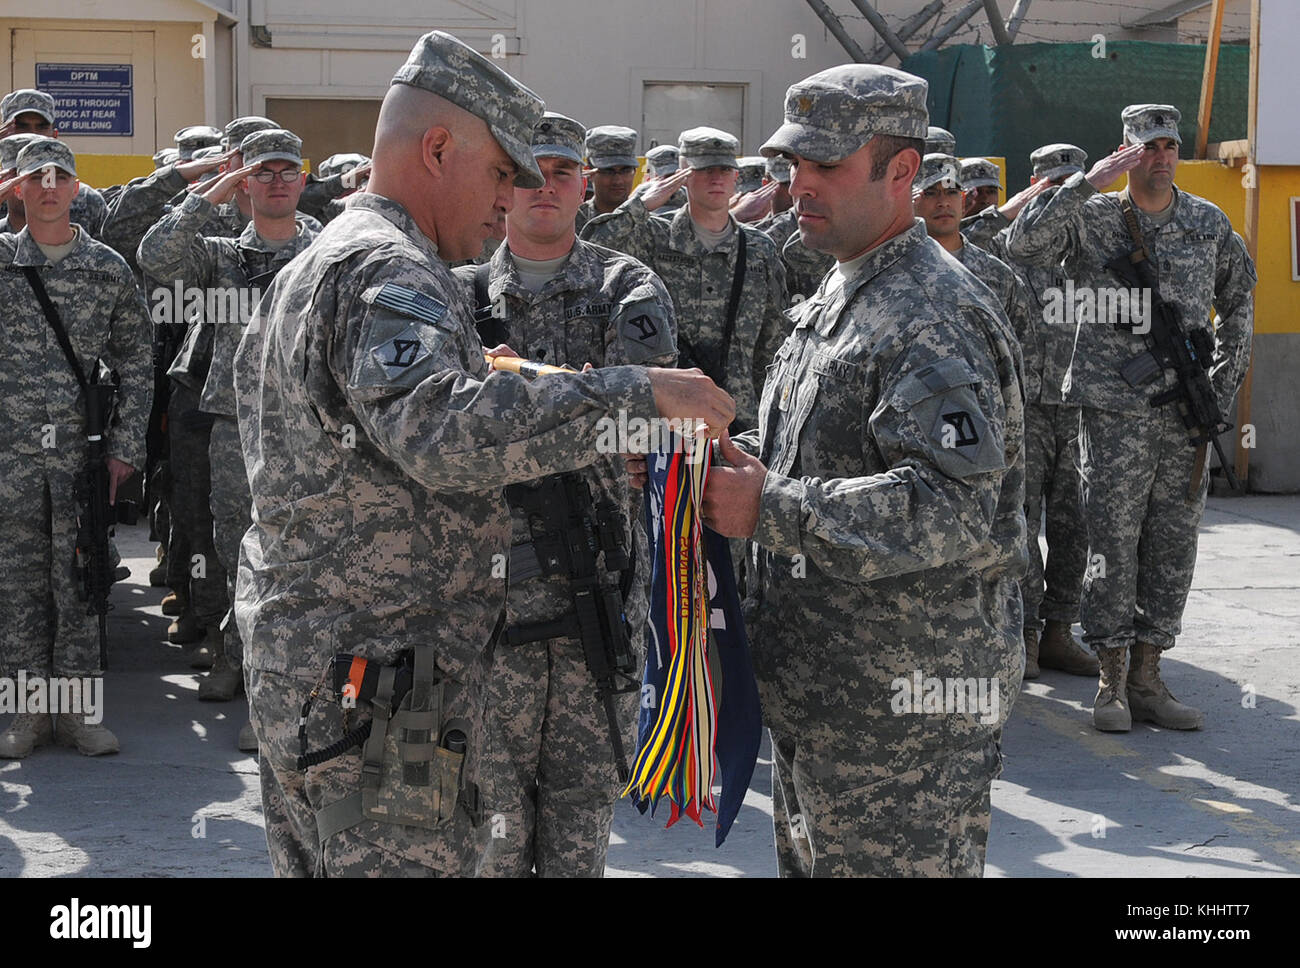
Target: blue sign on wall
x,y
92,99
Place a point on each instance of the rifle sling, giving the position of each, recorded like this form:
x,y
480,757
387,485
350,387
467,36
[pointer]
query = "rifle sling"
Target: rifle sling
x,y
733,307
56,323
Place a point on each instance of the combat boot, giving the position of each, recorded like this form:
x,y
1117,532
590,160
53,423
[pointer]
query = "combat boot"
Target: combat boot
x,y
174,604
1149,698
1031,654
185,629
25,733
247,739
223,682
1110,709
90,740
1058,649
205,653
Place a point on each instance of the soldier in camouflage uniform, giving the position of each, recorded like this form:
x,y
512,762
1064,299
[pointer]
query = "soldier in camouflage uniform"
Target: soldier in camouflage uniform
x,y
660,162
886,500
983,181
1050,450
696,255
939,141
753,169
612,165
44,628
341,164
32,112
1052,489
15,216
236,271
1137,467
549,774
377,444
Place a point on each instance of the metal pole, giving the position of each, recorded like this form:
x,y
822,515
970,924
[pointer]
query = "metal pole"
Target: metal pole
x,y
995,21
955,24
837,30
1017,18
910,26
886,33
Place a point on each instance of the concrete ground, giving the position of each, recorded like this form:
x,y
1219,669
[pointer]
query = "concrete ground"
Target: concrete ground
x,y
180,800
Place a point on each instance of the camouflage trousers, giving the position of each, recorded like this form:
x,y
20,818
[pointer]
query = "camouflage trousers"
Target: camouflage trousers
x,y
549,782
291,797
1052,484
231,505
1142,529
836,815
44,628
198,564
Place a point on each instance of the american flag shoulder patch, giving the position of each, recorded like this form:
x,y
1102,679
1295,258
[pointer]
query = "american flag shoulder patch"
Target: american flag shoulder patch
x,y
409,302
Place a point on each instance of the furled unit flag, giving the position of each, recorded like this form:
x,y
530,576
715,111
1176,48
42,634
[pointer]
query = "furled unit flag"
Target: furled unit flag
x,y
700,715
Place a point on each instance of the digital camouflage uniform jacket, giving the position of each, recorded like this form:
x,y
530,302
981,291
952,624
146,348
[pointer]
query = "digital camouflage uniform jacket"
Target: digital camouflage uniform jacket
x,y
890,525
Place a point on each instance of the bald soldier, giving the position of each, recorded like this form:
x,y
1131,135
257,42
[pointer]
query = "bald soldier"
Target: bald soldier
x,y
883,488
551,780
726,279
378,443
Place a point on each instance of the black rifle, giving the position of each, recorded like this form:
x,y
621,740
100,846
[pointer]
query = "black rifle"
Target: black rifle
x,y
1188,353
569,532
95,524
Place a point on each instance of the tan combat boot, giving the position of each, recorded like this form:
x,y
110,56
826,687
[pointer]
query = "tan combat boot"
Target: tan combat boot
x,y
1149,698
223,682
247,739
158,574
1058,649
96,740
185,629
1110,709
203,654
25,733
1031,654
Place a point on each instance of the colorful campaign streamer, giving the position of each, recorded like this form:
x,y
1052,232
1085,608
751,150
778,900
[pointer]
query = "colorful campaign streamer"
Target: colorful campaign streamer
x,y
683,742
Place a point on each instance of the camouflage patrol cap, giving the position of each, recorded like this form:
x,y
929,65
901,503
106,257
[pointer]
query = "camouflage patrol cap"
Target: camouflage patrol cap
x,y
980,172
778,169
833,113
1144,123
442,65
191,139
10,146
940,141
1055,161
337,164
938,168
707,148
240,128
27,99
167,156
557,136
210,151
273,144
752,170
44,152
662,159
611,146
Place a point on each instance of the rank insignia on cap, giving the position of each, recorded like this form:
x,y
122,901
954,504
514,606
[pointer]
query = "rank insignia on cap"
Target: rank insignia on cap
x,y
805,104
